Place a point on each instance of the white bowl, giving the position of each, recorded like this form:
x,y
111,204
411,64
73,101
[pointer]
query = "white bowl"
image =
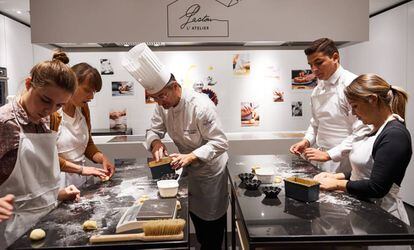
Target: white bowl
x,y
265,175
168,188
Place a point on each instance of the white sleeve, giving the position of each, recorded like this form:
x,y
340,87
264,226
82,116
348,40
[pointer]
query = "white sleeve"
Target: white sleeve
x,y
342,150
312,130
157,129
210,129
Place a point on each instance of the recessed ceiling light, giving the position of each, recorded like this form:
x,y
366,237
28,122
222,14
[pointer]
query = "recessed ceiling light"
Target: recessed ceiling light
x,y
18,11
126,45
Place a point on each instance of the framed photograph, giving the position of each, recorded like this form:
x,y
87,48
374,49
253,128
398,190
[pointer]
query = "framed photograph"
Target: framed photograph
x,y
123,88
118,119
106,68
241,64
303,79
249,114
297,109
278,95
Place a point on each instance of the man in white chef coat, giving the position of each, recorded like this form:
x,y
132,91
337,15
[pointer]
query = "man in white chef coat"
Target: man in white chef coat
x,y
191,120
332,126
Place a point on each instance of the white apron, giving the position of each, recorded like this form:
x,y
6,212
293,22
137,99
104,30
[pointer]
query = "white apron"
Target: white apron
x,y
330,134
362,163
34,181
73,137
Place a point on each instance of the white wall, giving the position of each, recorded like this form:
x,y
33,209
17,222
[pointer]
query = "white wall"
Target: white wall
x,y
2,42
16,52
231,89
389,53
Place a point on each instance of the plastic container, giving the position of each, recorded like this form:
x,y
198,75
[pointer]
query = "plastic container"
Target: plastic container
x,y
167,188
302,189
265,175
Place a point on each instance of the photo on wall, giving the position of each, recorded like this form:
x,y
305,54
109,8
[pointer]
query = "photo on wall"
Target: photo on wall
x,y
106,68
148,98
122,88
241,64
118,119
303,79
272,71
297,109
249,114
278,95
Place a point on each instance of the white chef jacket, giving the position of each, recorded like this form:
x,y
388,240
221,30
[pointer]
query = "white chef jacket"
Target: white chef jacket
x,y
332,126
194,127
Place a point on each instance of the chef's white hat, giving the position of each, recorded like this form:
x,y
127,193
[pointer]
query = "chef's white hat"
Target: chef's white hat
x,y
146,68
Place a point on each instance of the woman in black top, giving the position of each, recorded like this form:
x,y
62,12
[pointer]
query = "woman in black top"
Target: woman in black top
x,y
378,159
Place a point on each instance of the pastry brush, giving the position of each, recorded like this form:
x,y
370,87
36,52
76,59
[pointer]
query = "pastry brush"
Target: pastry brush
x,y
156,230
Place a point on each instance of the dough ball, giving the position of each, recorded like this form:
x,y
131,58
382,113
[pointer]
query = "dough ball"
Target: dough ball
x,y
37,234
105,179
89,225
178,205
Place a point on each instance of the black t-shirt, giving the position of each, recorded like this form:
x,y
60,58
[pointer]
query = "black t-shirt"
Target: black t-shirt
x,y
391,153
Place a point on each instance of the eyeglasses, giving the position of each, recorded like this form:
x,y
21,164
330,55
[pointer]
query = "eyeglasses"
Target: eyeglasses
x,y
162,96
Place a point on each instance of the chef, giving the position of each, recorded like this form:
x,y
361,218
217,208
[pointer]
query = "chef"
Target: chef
x,y
191,120
332,126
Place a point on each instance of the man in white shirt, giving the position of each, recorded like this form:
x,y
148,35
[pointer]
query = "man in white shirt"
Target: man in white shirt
x,y
332,126
191,120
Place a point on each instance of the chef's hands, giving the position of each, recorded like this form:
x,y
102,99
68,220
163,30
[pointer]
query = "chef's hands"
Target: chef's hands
x,y
299,147
158,150
6,207
69,193
331,181
182,160
313,154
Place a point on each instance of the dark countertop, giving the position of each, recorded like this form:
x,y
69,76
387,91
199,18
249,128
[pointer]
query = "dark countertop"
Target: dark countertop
x,y
335,216
105,203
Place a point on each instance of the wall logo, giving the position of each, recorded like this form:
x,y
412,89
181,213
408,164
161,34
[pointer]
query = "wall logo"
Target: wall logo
x,y
186,18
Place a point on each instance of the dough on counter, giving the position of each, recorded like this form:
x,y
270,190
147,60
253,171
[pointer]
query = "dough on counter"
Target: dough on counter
x,y
178,205
143,198
89,225
37,234
105,179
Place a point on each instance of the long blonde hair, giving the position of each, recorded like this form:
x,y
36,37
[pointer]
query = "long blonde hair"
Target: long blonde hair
x,y
370,84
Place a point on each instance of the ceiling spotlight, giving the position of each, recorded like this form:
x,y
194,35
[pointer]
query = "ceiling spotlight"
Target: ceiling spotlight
x,y
18,11
126,45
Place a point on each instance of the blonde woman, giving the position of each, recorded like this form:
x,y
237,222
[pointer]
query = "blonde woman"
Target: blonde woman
x,y
379,158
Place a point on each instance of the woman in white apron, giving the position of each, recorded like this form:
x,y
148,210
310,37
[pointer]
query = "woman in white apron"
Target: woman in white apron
x,y
73,125
29,160
378,159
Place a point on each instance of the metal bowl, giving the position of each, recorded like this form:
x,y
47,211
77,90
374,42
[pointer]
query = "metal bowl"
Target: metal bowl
x,y
246,176
170,176
252,184
271,192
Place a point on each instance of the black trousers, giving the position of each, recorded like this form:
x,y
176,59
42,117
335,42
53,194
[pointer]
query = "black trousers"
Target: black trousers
x,y
209,233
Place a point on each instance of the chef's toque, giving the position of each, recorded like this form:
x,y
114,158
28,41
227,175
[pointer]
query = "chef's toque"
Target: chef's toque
x,y
146,68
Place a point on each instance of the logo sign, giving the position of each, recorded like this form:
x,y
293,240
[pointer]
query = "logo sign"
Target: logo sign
x,y
186,18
